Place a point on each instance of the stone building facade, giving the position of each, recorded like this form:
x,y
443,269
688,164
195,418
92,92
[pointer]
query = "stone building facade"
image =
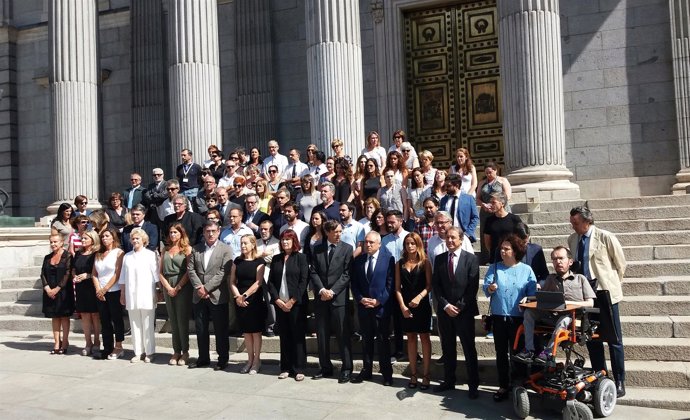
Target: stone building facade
x,y
590,97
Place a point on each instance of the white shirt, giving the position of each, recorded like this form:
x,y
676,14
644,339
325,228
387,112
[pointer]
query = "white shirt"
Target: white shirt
x,y
226,181
278,160
379,153
139,275
207,253
317,170
436,246
271,248
232,238
374,258
300,228
283,293
301,170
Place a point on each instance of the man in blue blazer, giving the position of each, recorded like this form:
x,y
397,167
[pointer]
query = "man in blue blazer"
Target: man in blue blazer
x,y
372,288
138,213
461,206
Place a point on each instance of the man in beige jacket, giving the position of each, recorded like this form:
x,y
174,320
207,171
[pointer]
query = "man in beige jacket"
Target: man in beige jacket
x,y
602,261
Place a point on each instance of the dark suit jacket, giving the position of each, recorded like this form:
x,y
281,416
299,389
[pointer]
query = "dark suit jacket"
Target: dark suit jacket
x,y
466,212
193,224
138,195
460,291
296,277
258,218
535,259
155,194
215,276
381,286
149,228
334,275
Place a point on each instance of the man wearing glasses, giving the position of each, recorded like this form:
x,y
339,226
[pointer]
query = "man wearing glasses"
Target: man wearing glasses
x,y
133,195
154,195
274,158
230,174
253,217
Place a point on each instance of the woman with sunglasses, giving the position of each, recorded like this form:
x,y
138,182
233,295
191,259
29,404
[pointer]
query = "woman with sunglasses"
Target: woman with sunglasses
x,y
79,224
217,166
339,151
264,196
409,156
308,197
274,179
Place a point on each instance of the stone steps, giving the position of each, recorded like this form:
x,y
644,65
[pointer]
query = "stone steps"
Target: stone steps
x,y
563,216
626,239
615,226
644,268
599,204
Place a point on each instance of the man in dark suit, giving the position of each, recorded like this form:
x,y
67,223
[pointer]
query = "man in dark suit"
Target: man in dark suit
x,y
330,278
455,283
372,289
192,222
154,195
133,195
138,212
253,217
209,267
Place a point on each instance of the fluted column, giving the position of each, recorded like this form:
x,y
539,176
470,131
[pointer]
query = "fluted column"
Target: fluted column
x,y
680,38
194,77
256,111
149,138
533,121
334,64
74,94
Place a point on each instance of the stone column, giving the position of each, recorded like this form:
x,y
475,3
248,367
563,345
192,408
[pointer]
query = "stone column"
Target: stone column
x,y
9,163
72,29
149,139
256,111
533,120
194,77
680,39
334,64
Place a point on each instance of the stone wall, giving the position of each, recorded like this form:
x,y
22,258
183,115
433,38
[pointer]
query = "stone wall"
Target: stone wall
x,y
619,101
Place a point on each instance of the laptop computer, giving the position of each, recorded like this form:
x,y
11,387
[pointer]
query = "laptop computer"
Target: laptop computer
x,y
550,301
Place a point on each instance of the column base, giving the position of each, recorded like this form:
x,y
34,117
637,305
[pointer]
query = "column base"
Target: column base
x,y
683,185
538,184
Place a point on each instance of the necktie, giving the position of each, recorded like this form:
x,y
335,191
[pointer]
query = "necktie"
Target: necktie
x,y
294,170
452,210
582,257
130,198
451,272
331,251
370,269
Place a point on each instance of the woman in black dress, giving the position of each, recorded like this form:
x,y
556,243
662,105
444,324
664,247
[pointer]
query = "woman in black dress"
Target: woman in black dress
x,y
371,182
287,286
246,278
86,301
58,292
412,287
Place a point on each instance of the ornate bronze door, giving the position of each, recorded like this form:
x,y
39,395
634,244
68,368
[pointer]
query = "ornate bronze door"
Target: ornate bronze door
x,y
453,82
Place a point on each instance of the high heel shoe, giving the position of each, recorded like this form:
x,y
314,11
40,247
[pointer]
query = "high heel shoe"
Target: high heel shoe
x,y
413,381
425,382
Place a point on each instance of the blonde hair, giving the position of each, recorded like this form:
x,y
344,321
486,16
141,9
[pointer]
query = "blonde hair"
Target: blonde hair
x,y
426,154
95,239
252,240
336,142
139,233
264,184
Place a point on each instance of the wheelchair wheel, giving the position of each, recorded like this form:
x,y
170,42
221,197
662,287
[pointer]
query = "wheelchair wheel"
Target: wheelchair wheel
x,y
604,397
520,402
578,411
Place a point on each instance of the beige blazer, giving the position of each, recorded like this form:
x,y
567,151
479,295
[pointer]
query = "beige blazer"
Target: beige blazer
x,y
606,261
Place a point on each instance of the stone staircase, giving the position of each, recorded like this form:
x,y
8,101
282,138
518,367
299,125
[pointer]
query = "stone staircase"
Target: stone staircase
x,y
654,231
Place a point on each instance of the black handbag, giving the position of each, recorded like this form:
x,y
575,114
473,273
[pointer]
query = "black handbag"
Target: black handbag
x,y
487,321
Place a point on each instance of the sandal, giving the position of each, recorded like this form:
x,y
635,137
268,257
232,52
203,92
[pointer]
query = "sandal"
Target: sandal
x,y
173,360
413,381
299,377
283,375
55,351
425,382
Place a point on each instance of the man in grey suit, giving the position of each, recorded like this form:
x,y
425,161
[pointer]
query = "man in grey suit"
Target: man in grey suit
x,y
208,267
330,277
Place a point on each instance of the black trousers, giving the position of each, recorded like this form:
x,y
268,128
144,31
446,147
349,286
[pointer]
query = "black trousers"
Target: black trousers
x,y
329,317
596,351
111,320
204,312
504,328
462,326
292,327
376,330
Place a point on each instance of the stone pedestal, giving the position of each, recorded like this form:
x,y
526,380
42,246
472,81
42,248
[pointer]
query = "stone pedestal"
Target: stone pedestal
x,y
533,120
334,64
256,110
680,41
149,138
193,77
74,94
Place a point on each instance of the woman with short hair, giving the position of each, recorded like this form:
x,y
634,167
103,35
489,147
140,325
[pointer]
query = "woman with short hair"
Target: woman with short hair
x,y
58,292
425,159
116,211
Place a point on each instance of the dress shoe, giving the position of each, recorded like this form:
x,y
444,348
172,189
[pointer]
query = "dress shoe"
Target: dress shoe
x,y
220,366
362,376
620,389
443,387
473,394
344,378
387,381
501,395
199,364
322,374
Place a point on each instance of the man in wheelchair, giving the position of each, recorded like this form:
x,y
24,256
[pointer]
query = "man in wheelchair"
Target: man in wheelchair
x,y
577,292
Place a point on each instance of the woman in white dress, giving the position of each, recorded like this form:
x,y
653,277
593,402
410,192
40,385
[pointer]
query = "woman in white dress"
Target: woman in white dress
x,y
374,149
138,293
464,167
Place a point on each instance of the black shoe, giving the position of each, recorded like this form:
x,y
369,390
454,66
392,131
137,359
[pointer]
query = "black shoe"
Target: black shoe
x,y
269,333
199,364
220,366
501,395
443,387
356,337
620,389
387,381
322,374
103,355
440,361
473,394
401,357
361,377
344,378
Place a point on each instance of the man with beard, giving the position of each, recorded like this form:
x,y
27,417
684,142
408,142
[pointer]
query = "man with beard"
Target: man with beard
x,y
301,228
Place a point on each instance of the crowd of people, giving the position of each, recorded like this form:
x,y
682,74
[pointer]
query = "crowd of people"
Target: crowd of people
x,y
242,240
